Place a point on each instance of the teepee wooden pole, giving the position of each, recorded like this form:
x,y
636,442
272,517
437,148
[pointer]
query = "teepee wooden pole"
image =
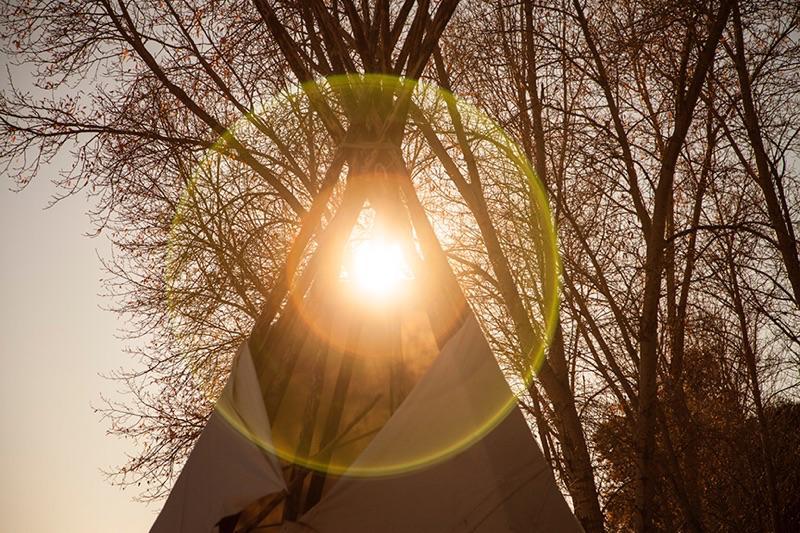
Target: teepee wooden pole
x,y
332,238
308,227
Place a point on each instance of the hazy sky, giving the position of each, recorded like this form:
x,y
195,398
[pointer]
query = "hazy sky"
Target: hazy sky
x,y
54,341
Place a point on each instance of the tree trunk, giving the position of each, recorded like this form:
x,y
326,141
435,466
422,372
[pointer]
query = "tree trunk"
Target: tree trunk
x,y
781,223
755,386
654,262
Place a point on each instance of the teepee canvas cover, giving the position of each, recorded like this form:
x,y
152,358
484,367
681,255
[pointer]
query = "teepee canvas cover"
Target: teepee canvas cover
x,y
501,483
226,470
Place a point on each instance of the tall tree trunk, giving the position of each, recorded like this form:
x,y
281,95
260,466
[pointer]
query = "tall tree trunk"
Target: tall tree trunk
x,y
553,375
654,263
752,373
577,461
779,220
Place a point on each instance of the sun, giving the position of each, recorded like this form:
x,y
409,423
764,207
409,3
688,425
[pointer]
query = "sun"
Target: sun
x,y
376,266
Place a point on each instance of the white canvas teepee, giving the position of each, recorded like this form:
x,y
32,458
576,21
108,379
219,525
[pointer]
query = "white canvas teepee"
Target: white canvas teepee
x,y
226,470
501,483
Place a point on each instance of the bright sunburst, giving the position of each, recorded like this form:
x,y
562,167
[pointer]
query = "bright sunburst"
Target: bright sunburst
x,y
377,266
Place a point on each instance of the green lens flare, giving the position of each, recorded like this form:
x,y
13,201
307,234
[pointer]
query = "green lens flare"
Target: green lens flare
x,y
345,363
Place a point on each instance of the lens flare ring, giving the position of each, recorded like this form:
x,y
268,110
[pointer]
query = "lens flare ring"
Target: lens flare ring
x,y
376,267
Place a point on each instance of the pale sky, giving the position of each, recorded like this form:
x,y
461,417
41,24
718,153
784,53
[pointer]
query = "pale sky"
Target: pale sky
x,y
54,341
